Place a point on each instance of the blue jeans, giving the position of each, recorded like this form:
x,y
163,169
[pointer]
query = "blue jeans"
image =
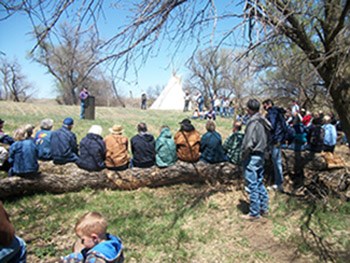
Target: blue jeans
x,y
277,164
254,176
16,252
82,110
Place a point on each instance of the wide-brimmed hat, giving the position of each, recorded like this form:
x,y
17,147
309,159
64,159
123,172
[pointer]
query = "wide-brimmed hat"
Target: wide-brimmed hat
x,y
96,129
116,129
185,121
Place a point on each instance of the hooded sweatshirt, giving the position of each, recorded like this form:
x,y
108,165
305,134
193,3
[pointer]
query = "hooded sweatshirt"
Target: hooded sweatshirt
x,y
143,150
256,136
187,141
165,149
110,250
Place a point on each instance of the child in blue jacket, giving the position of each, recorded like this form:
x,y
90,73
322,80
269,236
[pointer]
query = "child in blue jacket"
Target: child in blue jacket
x,y
98,245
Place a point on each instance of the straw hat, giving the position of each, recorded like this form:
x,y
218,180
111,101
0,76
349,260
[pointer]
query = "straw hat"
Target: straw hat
x,y
116,129
96,129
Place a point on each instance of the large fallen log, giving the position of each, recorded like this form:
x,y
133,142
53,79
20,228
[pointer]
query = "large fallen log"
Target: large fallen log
x,y
69,178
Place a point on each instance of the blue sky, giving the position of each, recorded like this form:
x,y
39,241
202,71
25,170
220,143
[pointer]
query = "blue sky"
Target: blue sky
x,y
16,42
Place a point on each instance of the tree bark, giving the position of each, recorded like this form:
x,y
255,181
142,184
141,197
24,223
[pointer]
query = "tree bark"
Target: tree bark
x,y
69,178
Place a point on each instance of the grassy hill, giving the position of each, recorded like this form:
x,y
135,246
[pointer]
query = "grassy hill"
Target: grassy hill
x,y
181,223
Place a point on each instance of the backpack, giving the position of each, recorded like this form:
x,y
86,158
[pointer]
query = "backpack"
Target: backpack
x,y
283,122
317,136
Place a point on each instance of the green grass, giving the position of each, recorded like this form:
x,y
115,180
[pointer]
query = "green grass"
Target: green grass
x,y
182,223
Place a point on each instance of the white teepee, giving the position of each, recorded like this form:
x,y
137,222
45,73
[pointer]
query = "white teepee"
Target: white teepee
x,y
172,96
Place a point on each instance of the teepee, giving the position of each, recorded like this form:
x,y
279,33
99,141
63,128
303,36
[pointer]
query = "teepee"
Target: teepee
x,y
172,96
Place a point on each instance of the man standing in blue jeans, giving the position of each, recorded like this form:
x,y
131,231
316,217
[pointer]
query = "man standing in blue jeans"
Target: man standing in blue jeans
x,y
278,135
83,96
253,148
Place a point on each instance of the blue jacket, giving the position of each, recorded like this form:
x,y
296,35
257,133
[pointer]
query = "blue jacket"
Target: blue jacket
x,y
43,143
143,150
165,149
92,153
110,251
64,147
279,129
211,148
23,157
330,135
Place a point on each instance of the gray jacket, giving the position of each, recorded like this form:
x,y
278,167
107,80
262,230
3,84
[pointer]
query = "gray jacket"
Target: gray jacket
x,y
256,135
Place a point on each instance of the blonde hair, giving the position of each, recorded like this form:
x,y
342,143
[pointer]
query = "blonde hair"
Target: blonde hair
x,y
19,134
210,126
91,223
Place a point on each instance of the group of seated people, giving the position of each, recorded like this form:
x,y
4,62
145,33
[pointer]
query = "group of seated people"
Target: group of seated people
x,y
95,153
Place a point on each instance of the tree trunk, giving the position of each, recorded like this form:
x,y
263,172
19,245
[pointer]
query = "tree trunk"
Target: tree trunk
x,y
69,178
340,93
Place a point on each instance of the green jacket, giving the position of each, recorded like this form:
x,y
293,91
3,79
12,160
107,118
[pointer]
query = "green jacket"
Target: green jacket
x,y
165,149
233,146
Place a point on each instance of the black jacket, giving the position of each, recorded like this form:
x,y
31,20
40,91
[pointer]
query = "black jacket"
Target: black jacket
x,y
143,150
92,153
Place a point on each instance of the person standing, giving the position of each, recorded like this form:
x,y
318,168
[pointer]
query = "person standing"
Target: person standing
x,y
187,99
278,134
83,96
330,134
253,148
143,101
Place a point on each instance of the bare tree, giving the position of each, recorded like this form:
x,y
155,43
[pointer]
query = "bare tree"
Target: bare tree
x,y
287,74
15,86
71,61
319,28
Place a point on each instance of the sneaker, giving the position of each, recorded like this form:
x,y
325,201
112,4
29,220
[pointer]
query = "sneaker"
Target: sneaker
x,y
250,218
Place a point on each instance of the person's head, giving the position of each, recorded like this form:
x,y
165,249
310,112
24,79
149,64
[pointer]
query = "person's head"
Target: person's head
x,y
19,134
163,127
237,126
267,104
1,123
303,112
29,129
210,126
116,129
186,125
95,129
91,228
68,122
46,124
253,106
327,119
141,127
